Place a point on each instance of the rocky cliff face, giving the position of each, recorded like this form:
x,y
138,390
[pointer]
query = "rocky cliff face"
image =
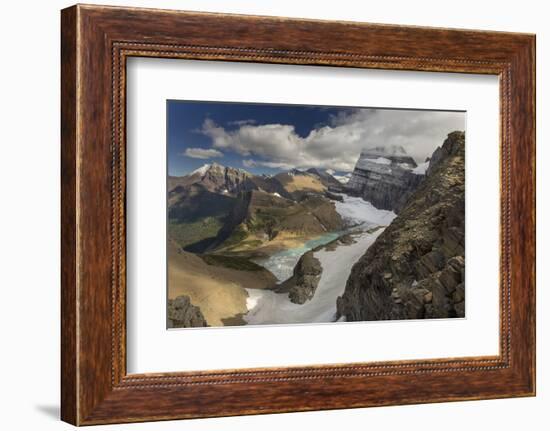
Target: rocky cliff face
x,y
385,177
183,314
415,269
305,278
301,286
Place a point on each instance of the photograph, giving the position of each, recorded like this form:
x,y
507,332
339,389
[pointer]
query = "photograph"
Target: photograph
x,y
299,214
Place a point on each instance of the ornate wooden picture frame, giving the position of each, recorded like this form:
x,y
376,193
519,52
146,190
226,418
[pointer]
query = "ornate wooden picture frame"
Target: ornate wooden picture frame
x,y
96,41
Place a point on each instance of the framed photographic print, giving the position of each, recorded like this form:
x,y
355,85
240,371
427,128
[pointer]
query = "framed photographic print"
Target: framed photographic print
x,y
325,214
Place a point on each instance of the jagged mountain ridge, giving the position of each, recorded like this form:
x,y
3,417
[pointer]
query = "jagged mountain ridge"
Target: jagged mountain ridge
x,y
215,204
231,181
415,269
214,178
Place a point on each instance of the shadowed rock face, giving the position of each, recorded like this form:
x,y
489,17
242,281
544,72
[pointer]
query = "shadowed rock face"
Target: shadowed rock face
x,y
384,179
305,278
301,286
183,314
415,269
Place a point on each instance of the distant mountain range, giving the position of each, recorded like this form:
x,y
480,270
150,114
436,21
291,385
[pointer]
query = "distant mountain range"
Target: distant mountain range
x,y
219,207
216,206
223,179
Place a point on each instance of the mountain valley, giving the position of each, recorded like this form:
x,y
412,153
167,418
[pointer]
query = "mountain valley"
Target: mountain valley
x,y
384,241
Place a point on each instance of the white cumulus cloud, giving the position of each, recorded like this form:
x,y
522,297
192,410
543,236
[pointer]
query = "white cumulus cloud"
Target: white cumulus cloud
x,y
337,145
202,153
250,163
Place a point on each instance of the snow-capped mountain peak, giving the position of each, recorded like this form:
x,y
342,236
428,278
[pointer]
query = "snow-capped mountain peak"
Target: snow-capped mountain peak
x,y
202,170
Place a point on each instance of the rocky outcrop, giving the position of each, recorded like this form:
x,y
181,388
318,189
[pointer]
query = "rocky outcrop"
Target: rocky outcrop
x,y
415,268
183,314
384,177
305,278
307,273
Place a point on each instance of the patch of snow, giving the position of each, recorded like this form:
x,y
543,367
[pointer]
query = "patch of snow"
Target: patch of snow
x,y
330,171
202,170
225,191
296,171
405,166
252,299
356,210
276,194
268,307
421,168
379,160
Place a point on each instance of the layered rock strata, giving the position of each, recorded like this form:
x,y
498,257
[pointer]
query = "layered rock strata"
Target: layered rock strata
x,y
385,179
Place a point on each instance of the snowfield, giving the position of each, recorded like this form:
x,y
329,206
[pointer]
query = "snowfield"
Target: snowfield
x,y
344,179
358,211
380,161
268,307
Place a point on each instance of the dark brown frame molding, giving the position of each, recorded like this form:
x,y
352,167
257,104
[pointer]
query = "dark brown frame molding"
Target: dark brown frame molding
x,y
95,43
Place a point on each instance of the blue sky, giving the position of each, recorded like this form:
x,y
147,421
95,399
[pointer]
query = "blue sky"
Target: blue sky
x,y
267,138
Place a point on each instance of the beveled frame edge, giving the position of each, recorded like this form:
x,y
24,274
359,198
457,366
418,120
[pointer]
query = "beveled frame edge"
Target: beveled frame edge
x,y
96,41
